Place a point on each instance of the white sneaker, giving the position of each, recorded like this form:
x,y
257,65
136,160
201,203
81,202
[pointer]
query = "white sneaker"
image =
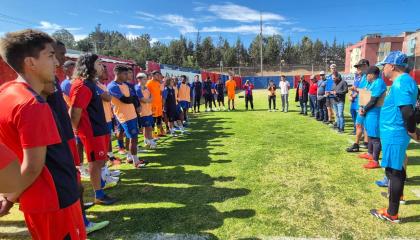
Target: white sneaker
x,y
115,173
111,179
84,172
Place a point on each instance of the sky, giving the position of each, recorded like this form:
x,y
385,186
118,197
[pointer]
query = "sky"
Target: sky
x,y
344,20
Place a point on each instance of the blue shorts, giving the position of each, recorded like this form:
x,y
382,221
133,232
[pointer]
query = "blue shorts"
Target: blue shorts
x,y
147,121
372,125
360,120
110,126
131,128
183,104
393,155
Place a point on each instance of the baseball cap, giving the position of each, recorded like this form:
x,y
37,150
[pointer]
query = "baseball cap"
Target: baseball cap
x,y
322,73
362,62
155,72
333,65
373,70
141,75
395,58
69,63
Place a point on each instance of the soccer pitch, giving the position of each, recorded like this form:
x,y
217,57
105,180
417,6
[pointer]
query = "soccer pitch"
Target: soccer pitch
x,y
251,175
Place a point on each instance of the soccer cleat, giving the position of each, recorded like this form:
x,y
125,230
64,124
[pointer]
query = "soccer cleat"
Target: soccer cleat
x,y
372,165
93,227
364,145
353,148
382,183
140,164
122,151
88,205
84,173
106,200
383,215
365,156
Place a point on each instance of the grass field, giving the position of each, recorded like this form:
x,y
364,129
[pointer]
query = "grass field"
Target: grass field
x,y
251,175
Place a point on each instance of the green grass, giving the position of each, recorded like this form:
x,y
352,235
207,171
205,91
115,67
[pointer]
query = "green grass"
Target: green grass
x,y
251,175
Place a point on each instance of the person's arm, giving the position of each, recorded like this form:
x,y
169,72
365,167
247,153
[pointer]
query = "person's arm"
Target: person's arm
x,y
115,91
31,167
407,112
106,97
10,171
75,115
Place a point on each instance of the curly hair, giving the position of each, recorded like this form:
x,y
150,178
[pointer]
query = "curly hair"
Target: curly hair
x,y
85,66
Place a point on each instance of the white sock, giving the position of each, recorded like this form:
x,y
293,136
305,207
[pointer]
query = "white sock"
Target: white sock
x,y
135,158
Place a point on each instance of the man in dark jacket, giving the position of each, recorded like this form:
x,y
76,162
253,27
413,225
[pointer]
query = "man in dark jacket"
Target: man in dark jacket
x,y
340,89
198,91
302,91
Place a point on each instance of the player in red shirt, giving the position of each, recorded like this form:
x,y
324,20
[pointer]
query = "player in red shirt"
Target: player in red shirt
x,y
88,120
49,197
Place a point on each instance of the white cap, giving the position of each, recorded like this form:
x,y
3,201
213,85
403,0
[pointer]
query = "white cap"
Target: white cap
x,y
322,73
141,75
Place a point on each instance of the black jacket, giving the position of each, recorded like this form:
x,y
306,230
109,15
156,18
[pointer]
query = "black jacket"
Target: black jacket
x,y
305,90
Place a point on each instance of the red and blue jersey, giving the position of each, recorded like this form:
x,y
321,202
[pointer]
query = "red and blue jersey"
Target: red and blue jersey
x,y
27,122
84,94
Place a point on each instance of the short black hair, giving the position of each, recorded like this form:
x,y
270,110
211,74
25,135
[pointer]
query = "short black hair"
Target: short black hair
x,y
16,46
120,69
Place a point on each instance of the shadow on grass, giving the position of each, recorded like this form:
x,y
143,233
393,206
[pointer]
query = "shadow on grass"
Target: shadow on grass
x,y
175,209
413,181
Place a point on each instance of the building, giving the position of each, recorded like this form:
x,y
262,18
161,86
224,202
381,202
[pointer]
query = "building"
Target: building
x,y
372,47
411,47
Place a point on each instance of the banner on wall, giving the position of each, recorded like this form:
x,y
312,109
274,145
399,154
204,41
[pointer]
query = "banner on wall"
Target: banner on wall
x,y
176,73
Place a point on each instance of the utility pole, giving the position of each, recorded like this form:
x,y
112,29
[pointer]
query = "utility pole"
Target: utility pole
x,y
261,44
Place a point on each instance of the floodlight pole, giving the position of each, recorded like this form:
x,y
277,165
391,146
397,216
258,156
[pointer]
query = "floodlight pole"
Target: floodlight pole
x,y
261,44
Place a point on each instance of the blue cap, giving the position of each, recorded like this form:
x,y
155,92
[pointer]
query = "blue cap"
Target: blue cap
x,y
395,58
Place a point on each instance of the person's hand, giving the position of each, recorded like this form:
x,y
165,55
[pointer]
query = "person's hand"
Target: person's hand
x,y
416,135
5,206
334,92
361,112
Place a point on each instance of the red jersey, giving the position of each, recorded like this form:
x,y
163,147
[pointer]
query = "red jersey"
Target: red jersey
x,y
27,122
84,95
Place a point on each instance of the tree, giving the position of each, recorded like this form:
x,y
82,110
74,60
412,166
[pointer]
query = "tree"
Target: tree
x,y
306,55
66,37
273,49
208,53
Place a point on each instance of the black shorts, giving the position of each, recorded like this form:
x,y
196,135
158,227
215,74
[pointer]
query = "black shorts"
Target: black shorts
x,y
328,102
220,98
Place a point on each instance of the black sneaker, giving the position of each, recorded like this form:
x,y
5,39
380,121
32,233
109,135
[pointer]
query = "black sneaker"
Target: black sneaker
x,y
353,148
106,200
88,205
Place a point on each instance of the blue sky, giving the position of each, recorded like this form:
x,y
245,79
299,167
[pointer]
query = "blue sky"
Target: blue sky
x,y
166,20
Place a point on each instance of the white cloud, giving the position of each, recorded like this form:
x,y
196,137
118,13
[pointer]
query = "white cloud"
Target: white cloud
x,y
244,29
184,25
299,29
131,26
131,36
145,14
234,12
79,37
51,27
108,11
73,14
